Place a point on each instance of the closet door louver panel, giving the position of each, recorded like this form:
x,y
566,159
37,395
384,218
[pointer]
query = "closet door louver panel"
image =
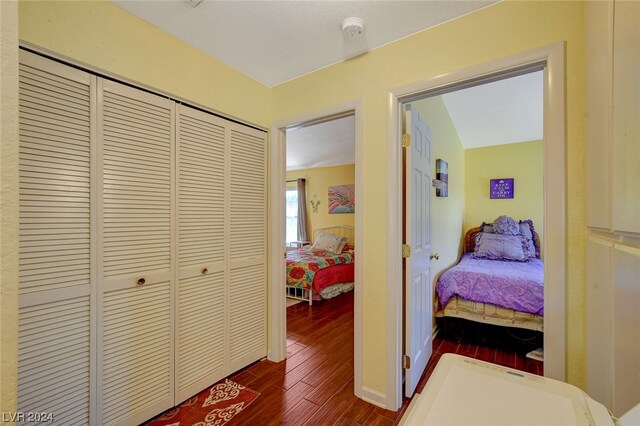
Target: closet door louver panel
x,y
54,360
57,116
201,157
201,335
135,346
55,135
247,316
247,194
247,245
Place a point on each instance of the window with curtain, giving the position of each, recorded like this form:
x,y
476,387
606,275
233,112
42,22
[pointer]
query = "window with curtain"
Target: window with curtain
x,y
292,216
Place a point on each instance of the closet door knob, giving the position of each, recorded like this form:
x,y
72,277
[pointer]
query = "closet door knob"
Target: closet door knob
x,y
141,281
205,270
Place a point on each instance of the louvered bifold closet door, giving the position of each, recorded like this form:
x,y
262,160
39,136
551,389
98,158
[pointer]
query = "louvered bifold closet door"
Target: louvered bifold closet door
x,y
57,124
247,246
201,158
135,345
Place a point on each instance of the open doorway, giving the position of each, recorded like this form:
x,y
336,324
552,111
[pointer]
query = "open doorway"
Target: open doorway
x,y
320,210
549,59
319,191
487,164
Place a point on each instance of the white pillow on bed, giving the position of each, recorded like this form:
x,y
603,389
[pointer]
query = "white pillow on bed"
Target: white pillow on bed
x,y
329,242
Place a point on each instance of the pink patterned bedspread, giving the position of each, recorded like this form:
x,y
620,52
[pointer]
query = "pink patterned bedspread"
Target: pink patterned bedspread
x,y
303,264
514,285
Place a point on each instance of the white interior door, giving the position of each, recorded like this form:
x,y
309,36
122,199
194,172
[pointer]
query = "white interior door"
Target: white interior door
x,y
417,309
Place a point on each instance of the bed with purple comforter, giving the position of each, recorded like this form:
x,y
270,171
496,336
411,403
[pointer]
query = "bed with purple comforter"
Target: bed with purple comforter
x,y
499,292
513,285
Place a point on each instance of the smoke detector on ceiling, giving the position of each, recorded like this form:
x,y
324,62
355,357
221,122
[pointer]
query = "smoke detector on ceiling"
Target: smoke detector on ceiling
x,y
353,27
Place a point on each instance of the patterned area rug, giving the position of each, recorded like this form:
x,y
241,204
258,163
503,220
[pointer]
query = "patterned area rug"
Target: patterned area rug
x,y
213,406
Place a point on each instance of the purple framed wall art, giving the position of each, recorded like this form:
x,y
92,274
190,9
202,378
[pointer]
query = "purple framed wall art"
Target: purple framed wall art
x,y
501,188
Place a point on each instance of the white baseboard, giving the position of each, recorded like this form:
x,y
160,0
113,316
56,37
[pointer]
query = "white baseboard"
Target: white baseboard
x,y
373,397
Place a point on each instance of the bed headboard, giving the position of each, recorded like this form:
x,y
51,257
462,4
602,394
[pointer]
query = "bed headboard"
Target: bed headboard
x,y
470,239
340,230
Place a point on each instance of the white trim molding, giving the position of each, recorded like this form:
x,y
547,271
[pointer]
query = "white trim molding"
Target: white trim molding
x,y
550,59
277,183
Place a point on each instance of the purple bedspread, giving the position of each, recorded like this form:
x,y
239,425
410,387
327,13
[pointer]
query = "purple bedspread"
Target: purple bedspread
x,y
514,285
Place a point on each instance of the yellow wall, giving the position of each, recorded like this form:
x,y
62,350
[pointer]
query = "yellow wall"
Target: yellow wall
x,y
102,35
521,161
8,206
447,213
318,181
503,29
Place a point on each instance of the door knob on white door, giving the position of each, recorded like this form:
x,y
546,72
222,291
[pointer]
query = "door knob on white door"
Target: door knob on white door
x,y
435,256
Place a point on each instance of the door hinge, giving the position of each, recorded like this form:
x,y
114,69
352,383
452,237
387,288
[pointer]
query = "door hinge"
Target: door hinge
x,y
406,250
406,361
406,140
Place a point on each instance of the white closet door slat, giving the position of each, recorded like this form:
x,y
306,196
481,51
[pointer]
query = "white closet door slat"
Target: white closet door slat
x,y
247,193
143,171
247,316
135,346
130,377
54,359
201,333
56,135
201,168
201,158
49,178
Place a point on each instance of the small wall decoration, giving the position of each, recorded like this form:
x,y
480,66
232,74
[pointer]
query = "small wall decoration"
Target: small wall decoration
x,y
501,188
314,203
342,199
442,175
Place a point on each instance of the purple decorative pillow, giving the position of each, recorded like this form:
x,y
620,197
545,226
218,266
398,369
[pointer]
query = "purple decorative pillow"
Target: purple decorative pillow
x,y
526,230
501,247
487,228
506,225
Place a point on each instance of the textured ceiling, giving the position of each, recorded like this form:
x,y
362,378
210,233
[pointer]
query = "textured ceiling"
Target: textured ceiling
x,y
276,41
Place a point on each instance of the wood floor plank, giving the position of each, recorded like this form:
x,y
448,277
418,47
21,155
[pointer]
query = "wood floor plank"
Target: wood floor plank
x,y
294,349
293,400
505,358
333,407
357,413
331,385
298,415
485,353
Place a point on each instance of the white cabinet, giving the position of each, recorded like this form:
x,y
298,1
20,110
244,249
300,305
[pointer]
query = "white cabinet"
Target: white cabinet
x,y
612,66
626,113
142,247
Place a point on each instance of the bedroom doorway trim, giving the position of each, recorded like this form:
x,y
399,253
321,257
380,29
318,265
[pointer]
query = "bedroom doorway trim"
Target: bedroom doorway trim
x,y
551,59
277,312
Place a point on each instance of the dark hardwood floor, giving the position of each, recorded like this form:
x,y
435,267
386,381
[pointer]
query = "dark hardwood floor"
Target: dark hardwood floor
x,y
314,385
